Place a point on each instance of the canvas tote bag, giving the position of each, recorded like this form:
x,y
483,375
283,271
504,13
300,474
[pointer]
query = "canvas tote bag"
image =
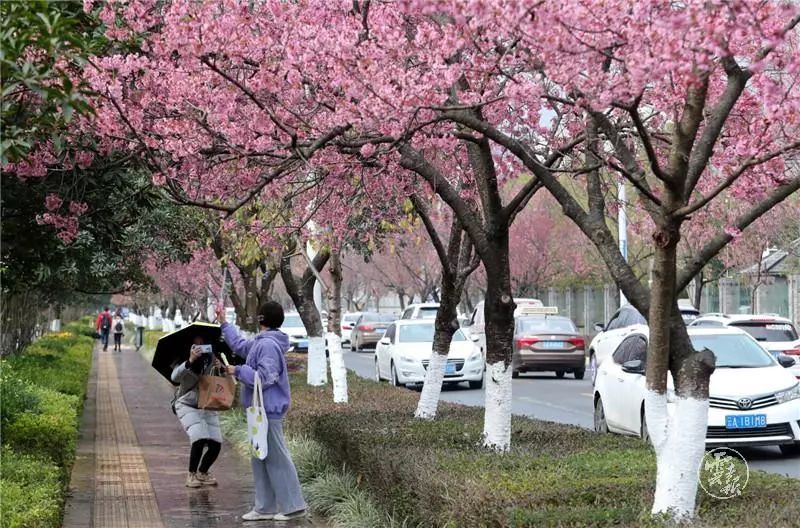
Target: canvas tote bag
x,y
257,425
215,391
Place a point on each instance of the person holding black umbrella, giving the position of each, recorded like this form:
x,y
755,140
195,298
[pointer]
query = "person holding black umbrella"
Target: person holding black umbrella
x,y
277,488
201,425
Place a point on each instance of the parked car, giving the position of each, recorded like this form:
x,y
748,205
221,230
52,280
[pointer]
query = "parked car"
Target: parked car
x,y
403,354
348,322
293,327
548,343
477,323
688,311
776,334
420,311
754,400
368,330
625,321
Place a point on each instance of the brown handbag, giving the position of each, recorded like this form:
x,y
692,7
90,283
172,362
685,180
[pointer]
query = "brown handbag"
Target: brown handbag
x,y
215,391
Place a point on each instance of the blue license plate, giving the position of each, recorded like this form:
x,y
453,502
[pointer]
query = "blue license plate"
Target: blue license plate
x,y
450,368
745,421
551,344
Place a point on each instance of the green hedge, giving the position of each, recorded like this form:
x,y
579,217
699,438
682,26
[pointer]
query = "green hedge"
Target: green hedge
x,y
43,390
436,474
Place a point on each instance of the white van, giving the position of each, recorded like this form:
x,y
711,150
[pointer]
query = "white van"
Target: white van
x,y
477,324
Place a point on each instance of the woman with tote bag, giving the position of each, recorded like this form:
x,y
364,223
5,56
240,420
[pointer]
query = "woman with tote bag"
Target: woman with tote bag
x,y
266,396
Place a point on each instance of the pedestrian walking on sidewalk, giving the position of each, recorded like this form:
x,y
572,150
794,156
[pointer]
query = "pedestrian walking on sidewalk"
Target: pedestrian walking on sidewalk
x,y
277,488
103,326
119,331
140,321
201,425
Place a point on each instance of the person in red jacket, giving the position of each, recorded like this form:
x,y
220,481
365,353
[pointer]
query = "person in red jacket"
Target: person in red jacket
x,y
103,326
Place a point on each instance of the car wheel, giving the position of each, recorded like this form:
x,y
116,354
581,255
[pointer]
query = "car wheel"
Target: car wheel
x,y
477,384
377,371
395,381
600,425
579,373
593,366
644,433
790,449
514,374
560,374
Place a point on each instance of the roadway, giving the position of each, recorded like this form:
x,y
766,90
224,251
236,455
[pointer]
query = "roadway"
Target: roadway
x,y
566,400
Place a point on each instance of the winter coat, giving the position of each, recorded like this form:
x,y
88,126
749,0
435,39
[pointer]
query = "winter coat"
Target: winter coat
x,y
199,424
263,354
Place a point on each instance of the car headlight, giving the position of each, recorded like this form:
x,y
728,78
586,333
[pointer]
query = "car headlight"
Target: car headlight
x,y
475,356
406,359
790,394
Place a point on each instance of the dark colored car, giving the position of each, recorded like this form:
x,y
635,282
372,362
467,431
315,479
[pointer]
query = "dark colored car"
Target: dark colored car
x,y
369,329
548,343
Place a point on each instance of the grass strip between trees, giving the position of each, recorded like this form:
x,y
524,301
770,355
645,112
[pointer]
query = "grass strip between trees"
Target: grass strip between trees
x,y
434,473
43,390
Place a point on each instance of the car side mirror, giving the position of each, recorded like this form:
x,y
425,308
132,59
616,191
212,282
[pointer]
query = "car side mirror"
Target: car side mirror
x,y
634,366
386,341
785,361
599,327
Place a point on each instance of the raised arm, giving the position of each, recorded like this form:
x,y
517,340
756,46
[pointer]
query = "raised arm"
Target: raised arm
x,y
268,368
240,346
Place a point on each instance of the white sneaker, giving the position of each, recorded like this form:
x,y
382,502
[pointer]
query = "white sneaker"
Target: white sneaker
x,y
289,516
256,516
192,481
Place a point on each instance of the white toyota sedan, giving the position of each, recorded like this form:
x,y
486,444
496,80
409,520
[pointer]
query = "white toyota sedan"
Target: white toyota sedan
x,y
403,353
754,399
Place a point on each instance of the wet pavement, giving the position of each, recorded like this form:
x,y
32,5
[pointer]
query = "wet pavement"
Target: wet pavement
x,y
132,455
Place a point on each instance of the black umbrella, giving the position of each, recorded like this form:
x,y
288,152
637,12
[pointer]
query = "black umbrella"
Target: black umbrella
x,y
174,348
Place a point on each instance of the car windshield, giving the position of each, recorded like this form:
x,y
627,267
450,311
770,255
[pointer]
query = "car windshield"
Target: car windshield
x,y
292,321
733,351
543,325
766,331
428,312
423,333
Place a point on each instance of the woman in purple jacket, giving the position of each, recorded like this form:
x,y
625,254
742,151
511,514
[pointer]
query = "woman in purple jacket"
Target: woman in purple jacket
x,y
278,493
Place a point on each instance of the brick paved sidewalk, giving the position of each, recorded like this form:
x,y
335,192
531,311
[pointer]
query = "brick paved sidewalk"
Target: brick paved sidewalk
x,y
132,455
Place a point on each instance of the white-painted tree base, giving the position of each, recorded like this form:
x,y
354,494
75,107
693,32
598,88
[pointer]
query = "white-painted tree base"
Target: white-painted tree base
x,y
429,397
317,373
679,442
338,370
55,325
497,413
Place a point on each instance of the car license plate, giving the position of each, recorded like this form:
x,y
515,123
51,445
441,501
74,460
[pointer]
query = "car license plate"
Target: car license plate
x,y
745,421
551,344
450,368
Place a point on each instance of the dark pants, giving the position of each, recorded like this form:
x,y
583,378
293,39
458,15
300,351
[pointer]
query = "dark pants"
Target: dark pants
x,y
196,454
104,338
118,341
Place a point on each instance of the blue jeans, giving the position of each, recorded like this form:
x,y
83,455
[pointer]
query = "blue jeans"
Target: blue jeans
x,y
277,486
104,338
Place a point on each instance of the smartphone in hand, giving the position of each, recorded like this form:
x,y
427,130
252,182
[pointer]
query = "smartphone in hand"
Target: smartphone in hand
x,y
205,349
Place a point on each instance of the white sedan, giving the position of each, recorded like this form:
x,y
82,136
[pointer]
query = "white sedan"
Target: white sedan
x,y
402,355
753,400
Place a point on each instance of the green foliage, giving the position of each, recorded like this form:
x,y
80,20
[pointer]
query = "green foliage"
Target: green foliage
x,y
60,362
31,489
42,43
436,473
42,390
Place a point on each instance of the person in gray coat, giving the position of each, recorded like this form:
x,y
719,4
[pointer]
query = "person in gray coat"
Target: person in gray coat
x,y
201,425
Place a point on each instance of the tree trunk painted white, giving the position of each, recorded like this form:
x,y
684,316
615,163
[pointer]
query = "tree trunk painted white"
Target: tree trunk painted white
x,y
55,325
679,442
338,370
317,363
429,398
497,414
